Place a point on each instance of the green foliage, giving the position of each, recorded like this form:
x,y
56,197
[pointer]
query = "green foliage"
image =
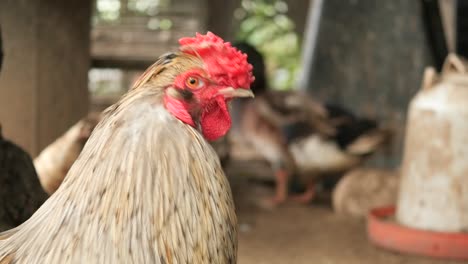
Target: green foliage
x,y
107,11
265,25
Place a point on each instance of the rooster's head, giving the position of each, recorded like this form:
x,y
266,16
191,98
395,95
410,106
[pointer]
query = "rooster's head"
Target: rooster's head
x,y
199,81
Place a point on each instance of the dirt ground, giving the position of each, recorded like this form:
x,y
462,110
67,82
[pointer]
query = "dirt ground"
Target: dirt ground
x,y
312,234
303,234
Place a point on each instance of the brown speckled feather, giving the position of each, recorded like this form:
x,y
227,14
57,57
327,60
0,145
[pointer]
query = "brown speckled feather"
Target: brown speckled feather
x,y
146,188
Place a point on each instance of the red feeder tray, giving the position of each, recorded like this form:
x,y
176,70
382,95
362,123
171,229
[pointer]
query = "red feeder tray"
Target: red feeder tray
x,y
390,235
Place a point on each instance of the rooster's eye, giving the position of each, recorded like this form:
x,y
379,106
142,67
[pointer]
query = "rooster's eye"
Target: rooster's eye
x,y
193,83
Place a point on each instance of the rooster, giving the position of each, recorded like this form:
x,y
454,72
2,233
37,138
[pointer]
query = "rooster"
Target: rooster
x,y
300,136
55,160
148,187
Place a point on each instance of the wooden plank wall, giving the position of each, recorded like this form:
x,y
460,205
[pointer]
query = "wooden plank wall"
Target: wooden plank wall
x,y
131,40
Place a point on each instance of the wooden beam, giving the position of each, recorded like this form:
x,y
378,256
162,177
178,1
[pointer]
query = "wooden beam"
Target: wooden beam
x,y
44,80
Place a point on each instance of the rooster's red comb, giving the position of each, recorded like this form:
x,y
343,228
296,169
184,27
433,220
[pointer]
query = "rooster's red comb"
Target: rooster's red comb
x,y
224,63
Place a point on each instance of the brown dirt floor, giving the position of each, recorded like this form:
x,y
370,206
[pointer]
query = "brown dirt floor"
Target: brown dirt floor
x,y
313,234
299,234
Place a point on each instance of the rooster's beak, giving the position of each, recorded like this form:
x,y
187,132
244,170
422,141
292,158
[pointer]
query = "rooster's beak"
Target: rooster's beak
x,y
230,92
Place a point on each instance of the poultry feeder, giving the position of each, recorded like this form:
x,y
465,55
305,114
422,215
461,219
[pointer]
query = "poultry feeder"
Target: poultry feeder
x,y
431,216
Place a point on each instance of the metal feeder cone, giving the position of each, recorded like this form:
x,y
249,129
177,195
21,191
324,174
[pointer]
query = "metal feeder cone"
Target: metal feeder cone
x,y
432,210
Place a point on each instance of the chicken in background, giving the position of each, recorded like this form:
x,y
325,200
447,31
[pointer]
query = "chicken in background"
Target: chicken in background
x,y
20,191
54,162
363,189
147,187
300,136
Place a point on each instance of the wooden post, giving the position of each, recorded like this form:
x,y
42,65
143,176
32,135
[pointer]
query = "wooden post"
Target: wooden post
x,y
43,84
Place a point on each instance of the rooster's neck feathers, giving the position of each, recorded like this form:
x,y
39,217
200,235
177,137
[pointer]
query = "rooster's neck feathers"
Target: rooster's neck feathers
x,y
158,67
162,73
